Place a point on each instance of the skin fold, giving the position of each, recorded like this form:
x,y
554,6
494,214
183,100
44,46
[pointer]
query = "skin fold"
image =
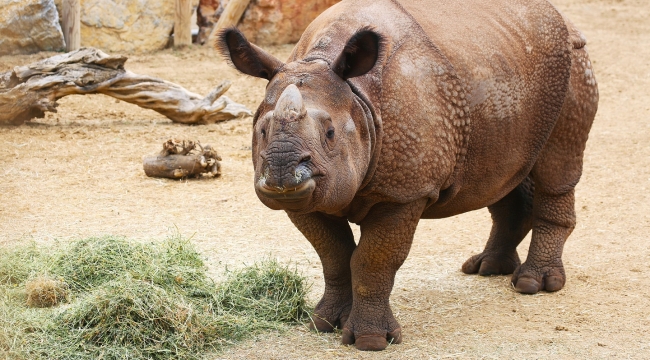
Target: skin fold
x,y
388,112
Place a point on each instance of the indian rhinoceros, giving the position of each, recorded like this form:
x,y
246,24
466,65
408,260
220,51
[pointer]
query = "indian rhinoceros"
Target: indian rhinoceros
x,y
392,111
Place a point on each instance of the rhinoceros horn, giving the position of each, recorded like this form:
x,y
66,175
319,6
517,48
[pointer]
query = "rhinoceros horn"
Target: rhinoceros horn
x,y
290,106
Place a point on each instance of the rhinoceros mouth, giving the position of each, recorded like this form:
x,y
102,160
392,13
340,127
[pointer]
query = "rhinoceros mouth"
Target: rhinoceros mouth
x,y
295,194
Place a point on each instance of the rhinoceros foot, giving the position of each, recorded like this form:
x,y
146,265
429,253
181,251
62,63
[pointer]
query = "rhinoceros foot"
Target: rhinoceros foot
x,y
530,279
492,263
331,312
371,342
372,333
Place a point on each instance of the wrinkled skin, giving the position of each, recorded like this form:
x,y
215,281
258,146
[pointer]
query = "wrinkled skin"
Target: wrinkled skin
x,y
390,112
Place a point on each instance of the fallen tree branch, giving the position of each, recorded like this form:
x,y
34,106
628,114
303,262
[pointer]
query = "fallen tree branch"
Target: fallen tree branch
x,y
29,91
182,159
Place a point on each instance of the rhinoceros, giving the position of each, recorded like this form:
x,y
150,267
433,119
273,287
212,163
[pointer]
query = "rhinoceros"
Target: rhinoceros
x,y
392,111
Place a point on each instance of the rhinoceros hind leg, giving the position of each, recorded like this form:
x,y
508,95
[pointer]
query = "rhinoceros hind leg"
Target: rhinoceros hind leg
x,y
553,222
324,323
556,173
512,220
530,280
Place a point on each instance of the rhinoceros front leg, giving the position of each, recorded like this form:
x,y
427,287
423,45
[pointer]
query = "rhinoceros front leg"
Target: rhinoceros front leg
x,y
333,240
512,219
386,236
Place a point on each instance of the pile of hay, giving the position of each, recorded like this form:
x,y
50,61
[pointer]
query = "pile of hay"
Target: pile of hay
x,y
111,298
173,264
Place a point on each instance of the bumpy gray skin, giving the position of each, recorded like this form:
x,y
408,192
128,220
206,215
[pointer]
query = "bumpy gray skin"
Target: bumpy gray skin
x,y
389,112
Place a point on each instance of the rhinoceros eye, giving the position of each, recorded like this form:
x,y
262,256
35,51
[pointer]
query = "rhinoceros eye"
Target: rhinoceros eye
x,y
263,132
330,133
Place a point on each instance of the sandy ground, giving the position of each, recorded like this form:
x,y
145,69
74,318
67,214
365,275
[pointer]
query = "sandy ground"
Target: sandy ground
x,y
79,173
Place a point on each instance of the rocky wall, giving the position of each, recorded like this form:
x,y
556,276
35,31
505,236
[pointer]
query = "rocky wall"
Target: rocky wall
x,y
29,26
266,22
126,25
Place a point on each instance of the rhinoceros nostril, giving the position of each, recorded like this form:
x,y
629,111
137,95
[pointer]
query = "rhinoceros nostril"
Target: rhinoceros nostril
x,y
302,172
264,155
305,159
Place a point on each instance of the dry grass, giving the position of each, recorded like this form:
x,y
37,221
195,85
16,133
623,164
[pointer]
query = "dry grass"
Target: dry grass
x,y
45,291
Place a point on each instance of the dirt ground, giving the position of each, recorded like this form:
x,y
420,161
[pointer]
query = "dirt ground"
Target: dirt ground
x,y
79,173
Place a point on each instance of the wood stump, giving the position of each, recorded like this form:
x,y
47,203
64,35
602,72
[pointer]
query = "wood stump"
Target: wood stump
x,y
183,159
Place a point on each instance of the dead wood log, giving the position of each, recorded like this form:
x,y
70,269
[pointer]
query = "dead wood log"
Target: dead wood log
x,y
183,159
29,91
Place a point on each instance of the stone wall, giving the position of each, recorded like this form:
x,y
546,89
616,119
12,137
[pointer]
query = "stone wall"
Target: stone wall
x,y
29,26
207,15
266,22
126,25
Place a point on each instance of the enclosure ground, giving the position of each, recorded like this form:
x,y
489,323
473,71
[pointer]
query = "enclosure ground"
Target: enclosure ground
x,y
79,173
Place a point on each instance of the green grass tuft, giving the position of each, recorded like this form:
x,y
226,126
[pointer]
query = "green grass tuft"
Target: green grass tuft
x,y
88,263
266,290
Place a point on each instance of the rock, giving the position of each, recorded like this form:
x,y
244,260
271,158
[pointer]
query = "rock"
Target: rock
x,y
265,22
126,25
207,15
269,22
29,26
59,9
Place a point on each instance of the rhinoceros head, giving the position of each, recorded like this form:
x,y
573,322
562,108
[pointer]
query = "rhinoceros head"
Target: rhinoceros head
x,y
312,134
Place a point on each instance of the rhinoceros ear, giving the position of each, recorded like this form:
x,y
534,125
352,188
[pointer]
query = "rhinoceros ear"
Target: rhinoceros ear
x,y
359,55
246,57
